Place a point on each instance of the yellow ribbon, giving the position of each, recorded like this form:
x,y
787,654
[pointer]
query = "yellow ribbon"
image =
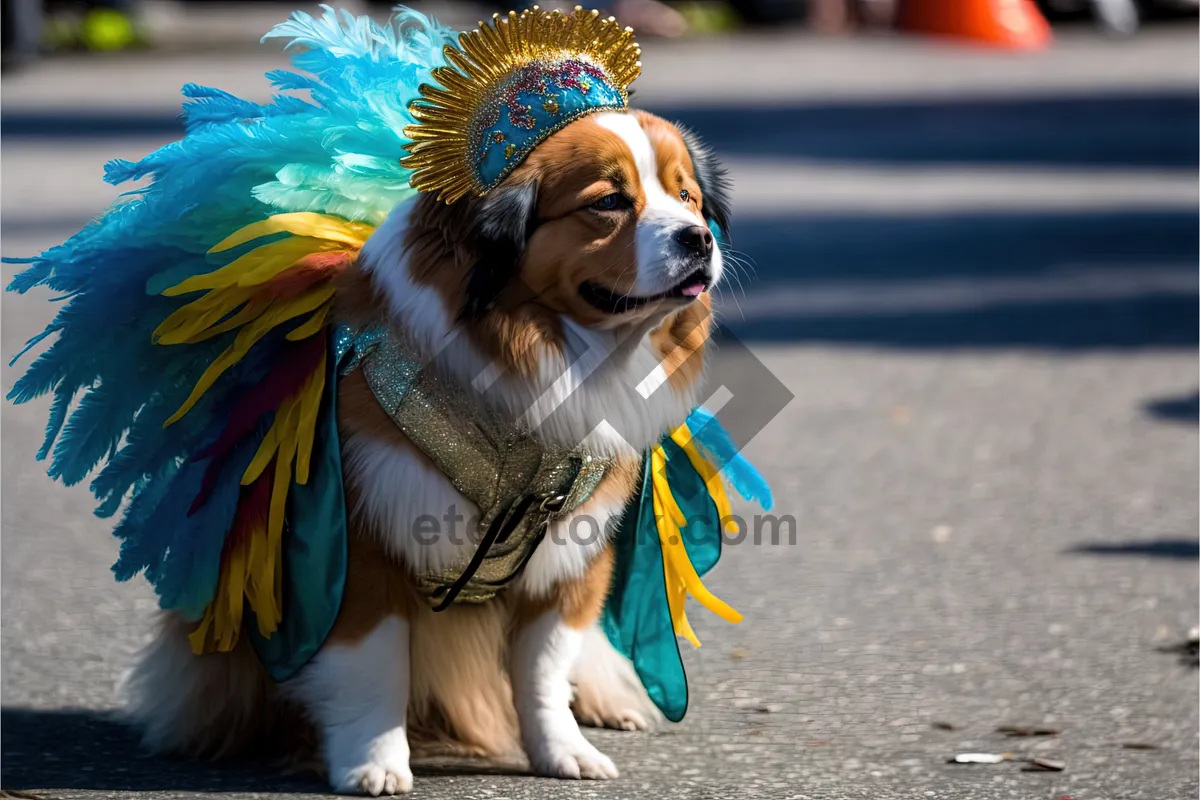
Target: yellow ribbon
x,y
678,571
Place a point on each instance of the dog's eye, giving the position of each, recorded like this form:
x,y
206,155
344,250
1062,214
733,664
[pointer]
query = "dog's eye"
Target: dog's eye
x,y
683,195
611,202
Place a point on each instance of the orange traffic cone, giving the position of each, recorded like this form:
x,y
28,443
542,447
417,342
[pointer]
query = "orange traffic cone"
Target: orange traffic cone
x,y
1010,24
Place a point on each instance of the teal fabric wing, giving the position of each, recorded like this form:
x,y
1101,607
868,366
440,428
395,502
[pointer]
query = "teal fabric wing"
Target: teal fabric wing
x,y
314,551
636,617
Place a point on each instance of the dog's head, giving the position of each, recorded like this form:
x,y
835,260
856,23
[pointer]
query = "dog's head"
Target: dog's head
x,y
608,222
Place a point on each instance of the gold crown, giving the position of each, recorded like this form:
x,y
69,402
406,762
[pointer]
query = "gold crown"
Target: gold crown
x,y
511,84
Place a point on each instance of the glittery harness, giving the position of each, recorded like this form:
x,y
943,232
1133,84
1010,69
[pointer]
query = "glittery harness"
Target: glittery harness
x,y
520,486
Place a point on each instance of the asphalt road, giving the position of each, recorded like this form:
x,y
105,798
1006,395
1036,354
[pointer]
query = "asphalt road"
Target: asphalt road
x,y
976,273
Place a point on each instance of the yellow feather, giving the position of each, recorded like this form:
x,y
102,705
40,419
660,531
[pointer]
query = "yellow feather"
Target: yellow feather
x,y
198,638
300,223
306,426
252,570
678,571
253,308
310,326
268,260
278,509
186,321
266,448
258,586
288,252
236,570
682,436
670,506
277,579
277,314
696,587
685,629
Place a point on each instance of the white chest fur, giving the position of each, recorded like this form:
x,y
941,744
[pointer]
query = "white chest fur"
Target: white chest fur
x,y
425,522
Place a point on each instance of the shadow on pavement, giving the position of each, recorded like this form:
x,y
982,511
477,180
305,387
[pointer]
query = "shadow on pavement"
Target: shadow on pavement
x,y
1153,128
58,125
45,751
1184,408
1155,548
1060,280
1145,128
78,749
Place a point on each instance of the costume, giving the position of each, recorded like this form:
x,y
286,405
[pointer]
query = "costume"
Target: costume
x,y
194,362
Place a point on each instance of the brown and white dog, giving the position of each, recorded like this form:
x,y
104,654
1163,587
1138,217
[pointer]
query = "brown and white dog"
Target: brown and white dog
x,y
574,296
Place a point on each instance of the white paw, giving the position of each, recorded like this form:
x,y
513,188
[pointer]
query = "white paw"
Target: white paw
x,y
575,760
623,719
608,692
627,719
372,779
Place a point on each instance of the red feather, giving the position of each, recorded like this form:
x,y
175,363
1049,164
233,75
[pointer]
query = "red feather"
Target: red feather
x,y
253,505
285,379
313,268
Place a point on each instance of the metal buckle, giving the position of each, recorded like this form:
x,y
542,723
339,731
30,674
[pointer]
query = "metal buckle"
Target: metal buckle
x,y
552,504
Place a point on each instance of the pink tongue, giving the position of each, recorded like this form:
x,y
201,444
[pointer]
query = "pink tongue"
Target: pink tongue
x,y
694,290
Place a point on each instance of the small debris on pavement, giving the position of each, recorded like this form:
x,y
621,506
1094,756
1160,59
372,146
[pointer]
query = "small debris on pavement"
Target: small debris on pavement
x,y
942,725
1031,764
740,653
1188,650
980,758
1028,730
1139,746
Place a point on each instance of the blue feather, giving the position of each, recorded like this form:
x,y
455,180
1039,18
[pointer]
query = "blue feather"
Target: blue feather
x,y
58,415
212,106
33,342
714,440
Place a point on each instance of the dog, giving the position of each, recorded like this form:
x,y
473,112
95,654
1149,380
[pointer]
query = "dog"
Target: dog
x,y
577,294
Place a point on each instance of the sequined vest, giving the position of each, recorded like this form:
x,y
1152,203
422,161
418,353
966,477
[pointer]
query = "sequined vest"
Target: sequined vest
x,y
520,486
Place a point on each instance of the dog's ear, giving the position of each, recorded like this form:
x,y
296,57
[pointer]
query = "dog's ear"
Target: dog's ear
x,y
714,182
504,221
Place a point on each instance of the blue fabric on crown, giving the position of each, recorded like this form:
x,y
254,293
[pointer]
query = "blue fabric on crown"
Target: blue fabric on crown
x,y
535,102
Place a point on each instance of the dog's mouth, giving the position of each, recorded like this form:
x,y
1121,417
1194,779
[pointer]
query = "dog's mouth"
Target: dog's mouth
x,y
610,302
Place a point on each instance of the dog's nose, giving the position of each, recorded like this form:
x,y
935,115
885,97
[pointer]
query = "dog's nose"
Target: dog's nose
x,y
696,239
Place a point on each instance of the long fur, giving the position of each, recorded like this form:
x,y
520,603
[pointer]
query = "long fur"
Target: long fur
x,y
503,223
221,704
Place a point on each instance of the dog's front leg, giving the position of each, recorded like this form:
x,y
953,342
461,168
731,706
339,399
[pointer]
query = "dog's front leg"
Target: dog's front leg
x,y
357,692
543,653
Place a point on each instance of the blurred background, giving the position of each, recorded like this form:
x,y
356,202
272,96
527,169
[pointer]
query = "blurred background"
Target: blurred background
x,y
967,244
